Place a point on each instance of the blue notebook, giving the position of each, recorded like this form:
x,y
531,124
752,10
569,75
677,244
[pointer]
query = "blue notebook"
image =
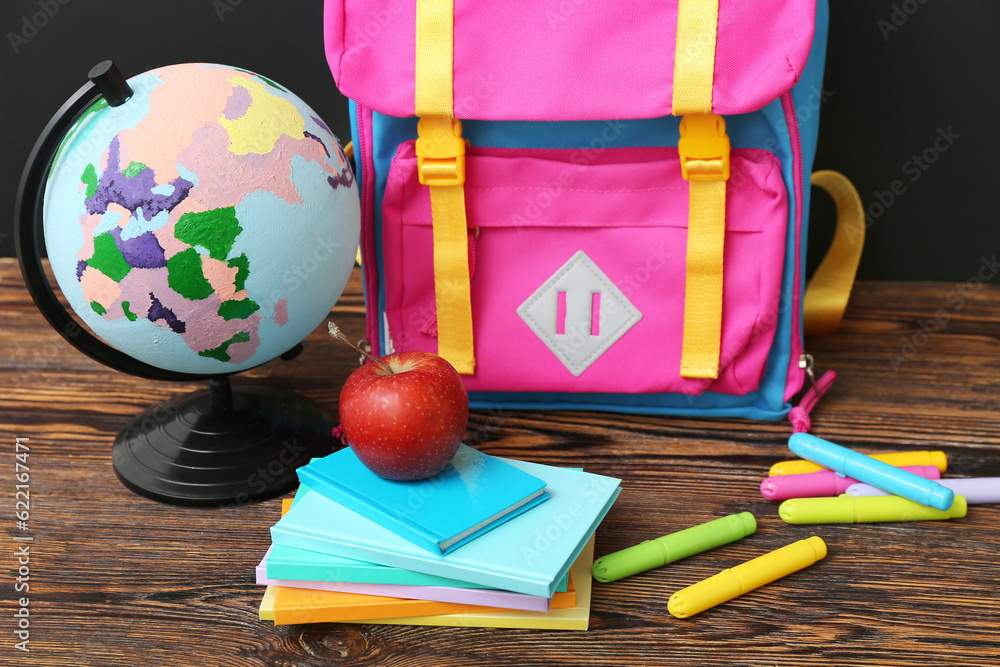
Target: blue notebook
x,y
299,564
529,554
475,493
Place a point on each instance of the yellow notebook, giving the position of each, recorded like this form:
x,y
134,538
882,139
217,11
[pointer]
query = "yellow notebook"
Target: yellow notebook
x,y
576,617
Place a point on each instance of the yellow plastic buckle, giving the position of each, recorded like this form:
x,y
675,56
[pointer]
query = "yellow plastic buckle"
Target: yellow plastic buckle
x,y
704,148
440,151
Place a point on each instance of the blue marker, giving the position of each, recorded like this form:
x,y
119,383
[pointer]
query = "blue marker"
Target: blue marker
x,y
886,477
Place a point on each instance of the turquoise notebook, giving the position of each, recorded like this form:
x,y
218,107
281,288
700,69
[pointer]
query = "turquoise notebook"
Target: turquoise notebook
x,y
301,565
529,554
475,493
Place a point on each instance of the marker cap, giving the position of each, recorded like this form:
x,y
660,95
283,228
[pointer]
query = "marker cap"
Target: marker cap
x,y
938,460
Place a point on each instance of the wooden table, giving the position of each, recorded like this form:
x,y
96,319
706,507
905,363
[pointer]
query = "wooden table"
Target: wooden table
x,y
119,580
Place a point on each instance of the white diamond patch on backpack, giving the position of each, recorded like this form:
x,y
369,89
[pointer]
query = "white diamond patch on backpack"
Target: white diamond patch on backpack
x,y
579,313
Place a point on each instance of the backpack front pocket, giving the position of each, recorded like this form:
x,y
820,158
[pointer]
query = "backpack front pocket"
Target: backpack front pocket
x,y
577,263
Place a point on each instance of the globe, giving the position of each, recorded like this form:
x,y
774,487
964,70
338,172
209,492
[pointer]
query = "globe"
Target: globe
x,y
200,220
207,225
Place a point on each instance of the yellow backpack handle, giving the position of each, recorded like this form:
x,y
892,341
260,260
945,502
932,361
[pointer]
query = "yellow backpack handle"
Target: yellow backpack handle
x,y
830,287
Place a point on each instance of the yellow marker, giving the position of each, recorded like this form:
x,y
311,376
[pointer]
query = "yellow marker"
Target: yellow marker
x,y
744,578
898,459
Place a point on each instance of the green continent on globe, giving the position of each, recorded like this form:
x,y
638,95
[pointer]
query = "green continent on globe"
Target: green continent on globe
x,y
214,230
242,265
132,317
108,259
185,276
238,310
133,169
89,179
221,353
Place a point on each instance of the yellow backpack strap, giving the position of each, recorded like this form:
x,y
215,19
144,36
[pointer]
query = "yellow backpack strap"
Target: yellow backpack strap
x,y
704,153
830,287
440,152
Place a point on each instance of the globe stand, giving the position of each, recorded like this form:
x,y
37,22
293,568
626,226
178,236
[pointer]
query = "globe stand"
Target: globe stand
x,y
218,447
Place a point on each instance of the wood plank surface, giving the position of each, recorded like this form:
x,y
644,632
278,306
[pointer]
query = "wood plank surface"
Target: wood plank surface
x,y
119,580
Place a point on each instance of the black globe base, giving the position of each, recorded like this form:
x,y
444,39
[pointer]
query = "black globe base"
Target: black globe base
x,y
217,447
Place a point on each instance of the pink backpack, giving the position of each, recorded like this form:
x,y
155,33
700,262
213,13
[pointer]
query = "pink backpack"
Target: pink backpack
x,y
595,205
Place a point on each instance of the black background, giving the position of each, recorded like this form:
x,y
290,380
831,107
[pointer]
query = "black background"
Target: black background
x,y
898,73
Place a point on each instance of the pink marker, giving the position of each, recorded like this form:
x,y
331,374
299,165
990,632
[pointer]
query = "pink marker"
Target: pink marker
x,y
824,483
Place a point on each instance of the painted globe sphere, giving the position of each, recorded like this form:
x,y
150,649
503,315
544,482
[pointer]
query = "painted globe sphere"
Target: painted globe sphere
x,y
205,226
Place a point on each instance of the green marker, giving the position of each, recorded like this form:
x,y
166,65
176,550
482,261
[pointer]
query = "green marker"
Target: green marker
x,y
673,547
869,509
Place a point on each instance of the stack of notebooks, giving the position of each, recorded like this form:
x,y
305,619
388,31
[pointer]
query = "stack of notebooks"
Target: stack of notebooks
x,y
489,542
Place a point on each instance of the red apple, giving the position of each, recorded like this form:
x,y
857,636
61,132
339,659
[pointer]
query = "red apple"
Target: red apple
x,y
404,422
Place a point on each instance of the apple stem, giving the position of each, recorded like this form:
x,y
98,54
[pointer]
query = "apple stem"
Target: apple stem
x,y
339,335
